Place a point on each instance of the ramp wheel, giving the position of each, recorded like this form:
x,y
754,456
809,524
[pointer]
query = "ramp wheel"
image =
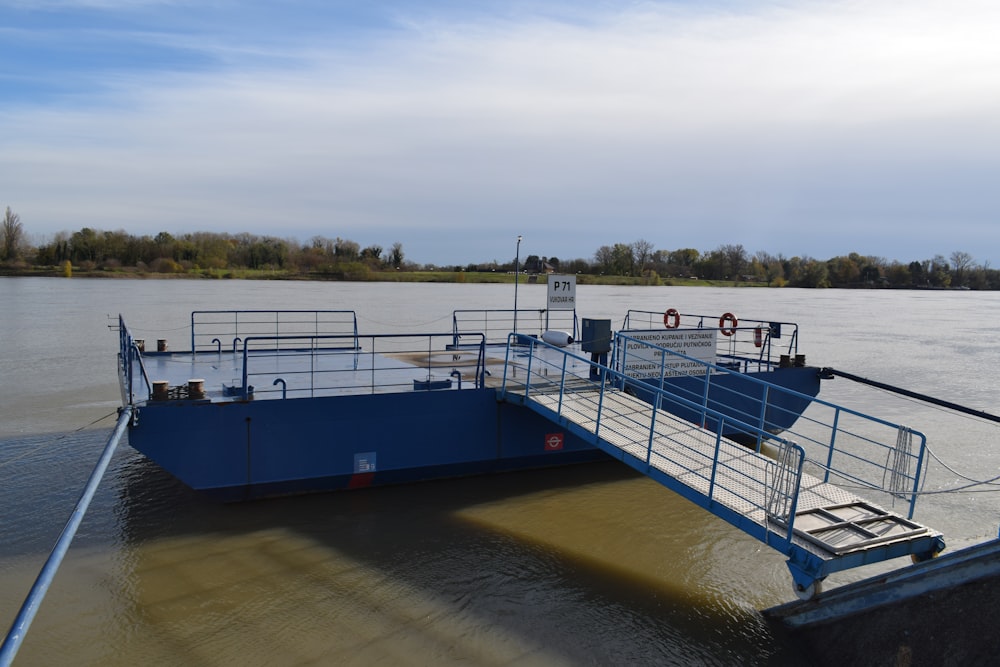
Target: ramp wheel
x,y
921,558
934,552
810,591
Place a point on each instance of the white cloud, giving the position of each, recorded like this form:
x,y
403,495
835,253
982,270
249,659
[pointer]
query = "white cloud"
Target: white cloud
x,y
711,125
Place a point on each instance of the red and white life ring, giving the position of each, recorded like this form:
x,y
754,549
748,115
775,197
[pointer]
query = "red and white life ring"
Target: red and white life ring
x,y
671,318
758,337
732,324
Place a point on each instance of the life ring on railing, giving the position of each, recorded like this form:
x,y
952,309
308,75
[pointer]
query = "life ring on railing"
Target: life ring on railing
x,y
671,318
758,337
733,323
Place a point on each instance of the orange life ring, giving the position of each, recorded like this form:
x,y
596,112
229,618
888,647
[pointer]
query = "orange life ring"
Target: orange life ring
x,y
758,337
731,329
671,316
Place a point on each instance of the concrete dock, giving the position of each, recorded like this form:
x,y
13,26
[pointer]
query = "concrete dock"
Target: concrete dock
x,y
939,612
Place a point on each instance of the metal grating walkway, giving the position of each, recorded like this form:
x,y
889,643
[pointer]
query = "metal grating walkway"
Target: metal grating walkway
x,y
833,529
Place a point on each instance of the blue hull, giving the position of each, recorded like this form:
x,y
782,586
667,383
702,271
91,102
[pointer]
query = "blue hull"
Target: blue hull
x,y
254,449
770,401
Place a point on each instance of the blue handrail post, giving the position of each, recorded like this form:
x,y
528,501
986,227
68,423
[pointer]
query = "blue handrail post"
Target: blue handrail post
x,y
763,417
246,391
657,405
562,382
704,398
531,358
600,403
916,475
715,461
652,427
506,364
833,444
481,364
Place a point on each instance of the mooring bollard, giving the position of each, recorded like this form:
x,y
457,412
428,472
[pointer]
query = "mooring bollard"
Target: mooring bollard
x,y
161,390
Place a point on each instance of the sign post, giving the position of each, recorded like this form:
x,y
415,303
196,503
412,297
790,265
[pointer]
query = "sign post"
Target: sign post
x,y
562,292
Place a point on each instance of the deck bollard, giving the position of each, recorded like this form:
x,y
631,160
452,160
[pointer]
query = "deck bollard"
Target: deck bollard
x,y
196,388
161,390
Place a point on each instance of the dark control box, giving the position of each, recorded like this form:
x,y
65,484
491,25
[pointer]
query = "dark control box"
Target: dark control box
x,y
596,336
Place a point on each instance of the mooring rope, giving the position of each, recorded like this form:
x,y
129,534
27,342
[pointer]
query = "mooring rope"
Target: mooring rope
x,y
48,443
974,482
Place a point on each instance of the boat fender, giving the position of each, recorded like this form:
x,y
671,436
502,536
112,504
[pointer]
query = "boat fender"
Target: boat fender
x,y
557,338
671,318
758,337
733,323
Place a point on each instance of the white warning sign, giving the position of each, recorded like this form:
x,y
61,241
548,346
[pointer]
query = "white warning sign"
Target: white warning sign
x,y
642,360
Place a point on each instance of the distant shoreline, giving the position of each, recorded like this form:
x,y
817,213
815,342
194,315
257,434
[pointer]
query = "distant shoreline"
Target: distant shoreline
x,y
453,277
481,277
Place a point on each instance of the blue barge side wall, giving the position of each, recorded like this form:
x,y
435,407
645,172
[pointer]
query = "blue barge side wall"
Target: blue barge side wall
x,y
261,448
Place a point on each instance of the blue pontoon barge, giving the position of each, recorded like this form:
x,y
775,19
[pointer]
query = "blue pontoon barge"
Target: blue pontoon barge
x,y
274,402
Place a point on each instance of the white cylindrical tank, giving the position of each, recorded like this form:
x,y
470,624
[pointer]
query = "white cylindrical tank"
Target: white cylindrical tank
x,y
557,338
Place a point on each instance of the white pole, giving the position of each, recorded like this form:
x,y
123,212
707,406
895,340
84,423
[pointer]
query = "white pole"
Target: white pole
x,y
517,261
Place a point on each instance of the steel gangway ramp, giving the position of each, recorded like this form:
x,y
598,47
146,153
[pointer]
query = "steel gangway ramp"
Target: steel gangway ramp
x,y
773,492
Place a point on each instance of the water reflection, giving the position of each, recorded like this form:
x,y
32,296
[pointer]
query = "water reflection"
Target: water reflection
x,y
529,567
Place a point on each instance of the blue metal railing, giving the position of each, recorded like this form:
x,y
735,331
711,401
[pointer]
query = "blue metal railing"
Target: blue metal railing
x,y
498,322
355,364
757,344
210,329
333,363
842,443
751,399
19,628
129,356
712,479
839,443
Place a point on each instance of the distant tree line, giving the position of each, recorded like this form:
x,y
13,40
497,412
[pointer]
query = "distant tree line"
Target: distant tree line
x,y
89,249
337,258
733,263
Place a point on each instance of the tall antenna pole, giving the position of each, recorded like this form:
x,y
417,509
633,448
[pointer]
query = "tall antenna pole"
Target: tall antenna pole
x,y
517,261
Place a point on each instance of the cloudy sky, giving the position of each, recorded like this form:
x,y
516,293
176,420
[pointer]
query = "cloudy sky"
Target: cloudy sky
x,y
809,128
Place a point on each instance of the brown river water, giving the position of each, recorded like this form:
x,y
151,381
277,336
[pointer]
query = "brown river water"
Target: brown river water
x,y
588,565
